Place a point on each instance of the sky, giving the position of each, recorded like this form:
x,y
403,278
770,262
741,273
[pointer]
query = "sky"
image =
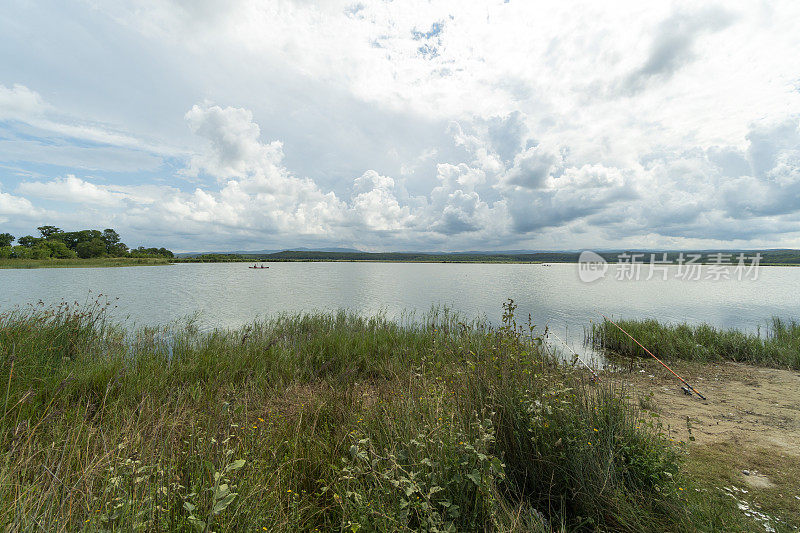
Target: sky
x,y
403,125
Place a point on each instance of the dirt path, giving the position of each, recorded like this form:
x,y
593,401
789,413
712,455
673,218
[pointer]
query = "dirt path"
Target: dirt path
x,y
746,434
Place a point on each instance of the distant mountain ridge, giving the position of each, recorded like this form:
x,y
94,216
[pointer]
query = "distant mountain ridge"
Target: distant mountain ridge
x,y
488,252
779,256
275,251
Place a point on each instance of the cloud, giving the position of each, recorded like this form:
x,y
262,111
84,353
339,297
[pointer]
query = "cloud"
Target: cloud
x,y
75,190
36,132
235,149
375,204
462,212
720,193
256,191
577,193
65,154
418,126
768,142
773,186
673,44
672,194
19,103
459,176
507,134
533,166
483,154
16,207
455,205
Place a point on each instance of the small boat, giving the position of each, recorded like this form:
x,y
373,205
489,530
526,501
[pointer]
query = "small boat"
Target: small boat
x,y
258,267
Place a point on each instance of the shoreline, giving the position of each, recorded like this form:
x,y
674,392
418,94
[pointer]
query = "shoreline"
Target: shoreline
x,y
328,420
546,263
27,264
110,262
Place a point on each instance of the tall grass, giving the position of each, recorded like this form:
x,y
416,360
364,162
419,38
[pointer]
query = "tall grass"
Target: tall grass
x,y
777,346
83,263
320,422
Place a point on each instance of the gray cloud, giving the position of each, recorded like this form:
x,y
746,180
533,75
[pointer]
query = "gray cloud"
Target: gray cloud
x,y
533,166
721,192
673,45
768,141
773,186
507,134
320,139
460,214
576,194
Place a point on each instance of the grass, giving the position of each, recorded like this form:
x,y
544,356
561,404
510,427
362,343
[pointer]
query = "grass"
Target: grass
x,y
721,464
323,422
778,346
83,263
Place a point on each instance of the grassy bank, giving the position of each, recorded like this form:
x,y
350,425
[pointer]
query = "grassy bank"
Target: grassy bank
x,y
83,263
329,422
778,345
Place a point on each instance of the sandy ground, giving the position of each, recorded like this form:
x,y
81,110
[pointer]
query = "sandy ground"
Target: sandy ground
x,y
749,405
746,433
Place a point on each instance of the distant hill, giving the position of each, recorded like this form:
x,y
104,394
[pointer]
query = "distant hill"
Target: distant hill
x,y
773,256
267,252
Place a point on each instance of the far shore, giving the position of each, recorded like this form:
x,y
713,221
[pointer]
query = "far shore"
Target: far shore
x,y
108,262
83,263
768,258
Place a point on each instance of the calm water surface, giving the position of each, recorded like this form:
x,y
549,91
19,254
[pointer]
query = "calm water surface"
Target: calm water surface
x,y
230,294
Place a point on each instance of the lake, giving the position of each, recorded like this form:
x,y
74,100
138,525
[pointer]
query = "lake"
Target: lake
x,y
230,294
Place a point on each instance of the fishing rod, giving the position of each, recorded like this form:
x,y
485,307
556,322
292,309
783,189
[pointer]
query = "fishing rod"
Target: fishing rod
x,y
578,357
689,387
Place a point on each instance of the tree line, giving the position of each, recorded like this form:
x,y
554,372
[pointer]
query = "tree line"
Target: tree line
x,y
56,243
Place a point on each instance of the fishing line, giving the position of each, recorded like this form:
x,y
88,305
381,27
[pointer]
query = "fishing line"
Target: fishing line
x,y
578,357
654,357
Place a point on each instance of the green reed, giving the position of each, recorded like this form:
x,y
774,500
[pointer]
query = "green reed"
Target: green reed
x,y
322,422
777,345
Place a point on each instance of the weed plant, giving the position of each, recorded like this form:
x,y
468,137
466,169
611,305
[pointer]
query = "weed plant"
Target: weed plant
x,y
778,345
322,422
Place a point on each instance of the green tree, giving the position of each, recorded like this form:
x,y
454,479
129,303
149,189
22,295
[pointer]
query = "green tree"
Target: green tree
x,y
114,247
21,252
92,248
6,239
40,251
141,251
110,236
28,241
50,232
73,238
6,252
59,250
118,250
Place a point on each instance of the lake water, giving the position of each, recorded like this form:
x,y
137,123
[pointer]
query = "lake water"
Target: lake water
x,y
230,294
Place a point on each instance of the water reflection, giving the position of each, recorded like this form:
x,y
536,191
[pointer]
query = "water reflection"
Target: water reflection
x,y
230,294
